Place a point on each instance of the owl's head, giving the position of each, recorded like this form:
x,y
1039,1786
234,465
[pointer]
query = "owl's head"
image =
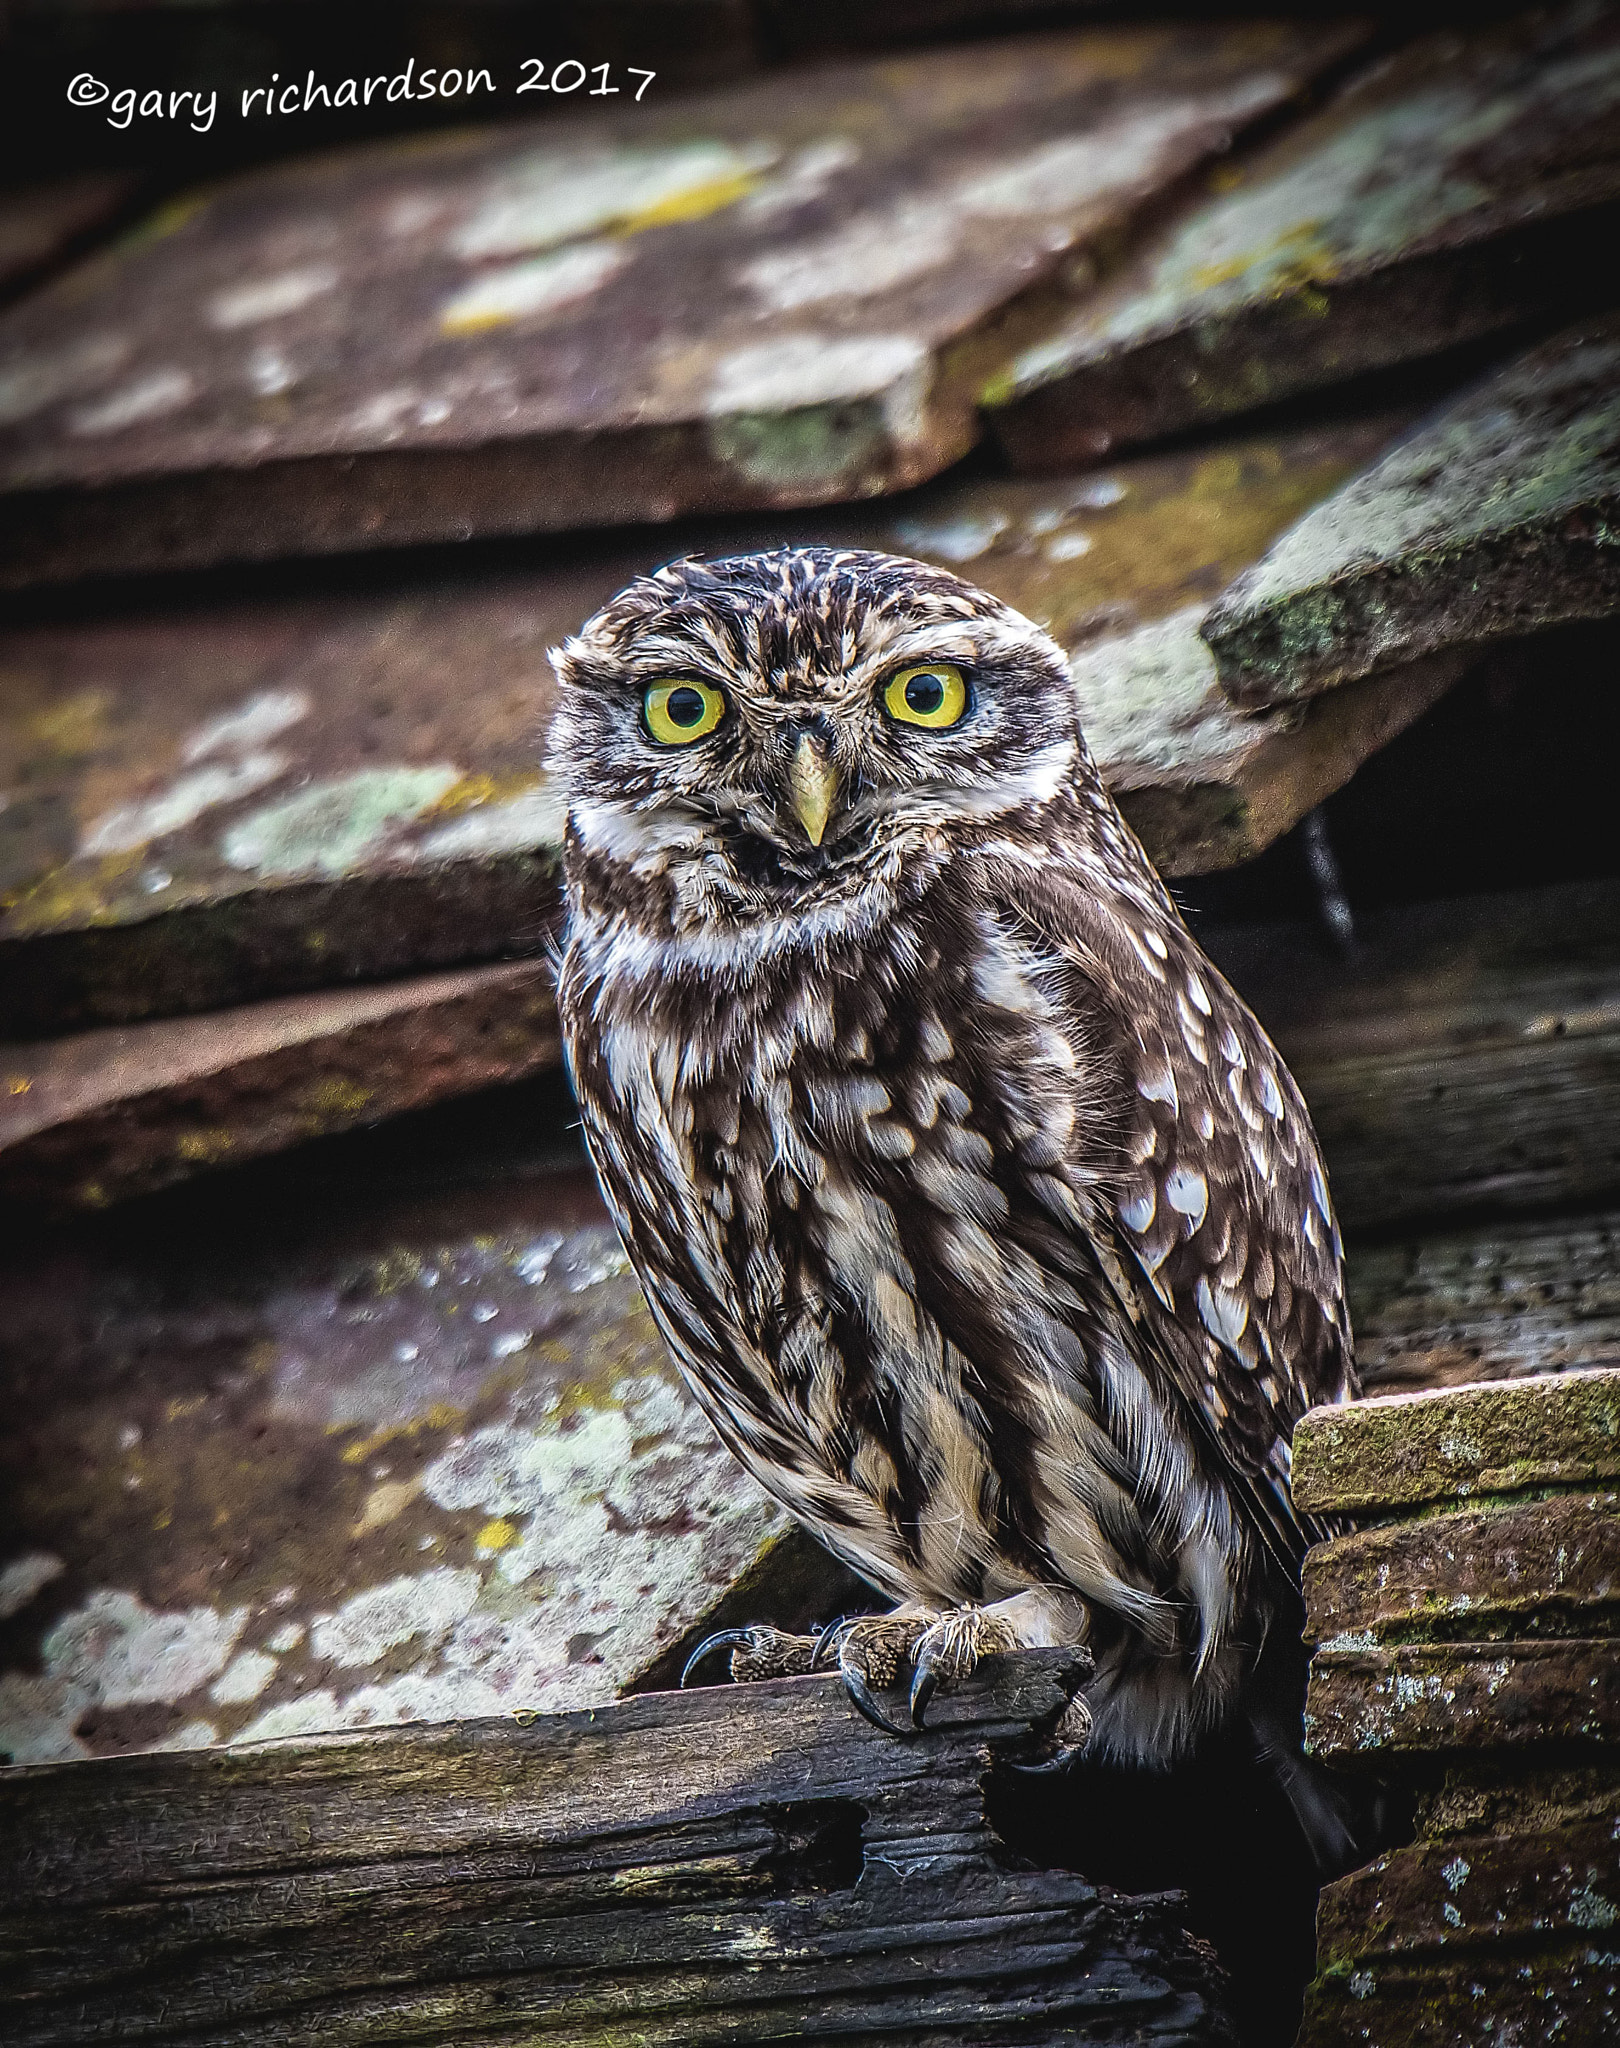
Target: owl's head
x,y
801,734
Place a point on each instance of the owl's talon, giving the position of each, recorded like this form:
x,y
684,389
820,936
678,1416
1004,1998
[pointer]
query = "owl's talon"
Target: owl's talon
x,y
924,1684
1062,1760
860,1694
826,1640
757,1652
723,1639
1071,1734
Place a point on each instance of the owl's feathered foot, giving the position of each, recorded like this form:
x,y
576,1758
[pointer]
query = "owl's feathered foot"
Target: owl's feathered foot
x,y
873,1652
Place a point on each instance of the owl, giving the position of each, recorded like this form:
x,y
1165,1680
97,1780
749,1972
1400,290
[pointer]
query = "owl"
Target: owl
x,y
983,1219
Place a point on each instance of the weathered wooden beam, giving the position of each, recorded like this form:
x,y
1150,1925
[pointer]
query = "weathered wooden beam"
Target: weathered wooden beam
x,y
785,293
1466,1059
387,1435
1453,190
1497,516
89,1119
739,1864
1466,1645
245,798
1496,1301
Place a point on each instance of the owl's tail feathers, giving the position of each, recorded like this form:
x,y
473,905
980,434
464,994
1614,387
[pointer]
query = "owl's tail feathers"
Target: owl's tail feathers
x,y
1345,1821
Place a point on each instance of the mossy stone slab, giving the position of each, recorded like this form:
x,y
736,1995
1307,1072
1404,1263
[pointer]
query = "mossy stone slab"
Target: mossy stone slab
x,y
1407,1450
387,1435
1471,1941
1499,515
96,1116
1454,189
1116,564
219,803
781,293
245,798
1412,1704
1542,1568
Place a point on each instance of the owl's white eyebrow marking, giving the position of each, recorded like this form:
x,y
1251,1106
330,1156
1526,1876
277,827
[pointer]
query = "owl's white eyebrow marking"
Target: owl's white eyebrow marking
x,y
1187,1192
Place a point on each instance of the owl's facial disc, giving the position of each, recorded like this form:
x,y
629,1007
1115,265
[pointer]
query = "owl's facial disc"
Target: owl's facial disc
x,y
797,736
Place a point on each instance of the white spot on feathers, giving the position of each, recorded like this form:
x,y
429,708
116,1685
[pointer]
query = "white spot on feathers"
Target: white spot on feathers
x,y
1187,1192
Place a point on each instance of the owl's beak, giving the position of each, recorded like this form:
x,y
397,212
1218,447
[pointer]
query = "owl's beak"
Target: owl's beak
x,y
813,786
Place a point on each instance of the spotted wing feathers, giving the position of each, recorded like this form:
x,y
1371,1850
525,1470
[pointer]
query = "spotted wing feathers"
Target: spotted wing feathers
x,y
1221,1218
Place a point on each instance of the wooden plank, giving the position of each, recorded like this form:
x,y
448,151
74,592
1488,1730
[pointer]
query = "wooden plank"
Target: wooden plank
x,y
244,798
384,1435
89,1119
1495,517
781,294
1465,1060
1450,192
1456,1444
737,1865
1495,1302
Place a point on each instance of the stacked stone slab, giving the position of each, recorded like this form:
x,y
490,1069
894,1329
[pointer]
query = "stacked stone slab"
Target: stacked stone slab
x,y
1466,1652
783,294
1452,191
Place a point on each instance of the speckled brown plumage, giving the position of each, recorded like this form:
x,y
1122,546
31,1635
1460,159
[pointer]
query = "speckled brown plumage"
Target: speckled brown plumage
x,y
982,1216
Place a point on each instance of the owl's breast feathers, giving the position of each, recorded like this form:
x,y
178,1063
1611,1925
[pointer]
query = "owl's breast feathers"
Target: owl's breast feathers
x,y
995,1241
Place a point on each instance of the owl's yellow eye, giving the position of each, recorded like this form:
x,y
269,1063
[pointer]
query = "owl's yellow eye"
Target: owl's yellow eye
x,y
678,713
935,694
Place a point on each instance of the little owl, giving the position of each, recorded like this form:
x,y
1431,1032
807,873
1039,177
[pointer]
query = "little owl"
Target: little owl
x,y
982,1217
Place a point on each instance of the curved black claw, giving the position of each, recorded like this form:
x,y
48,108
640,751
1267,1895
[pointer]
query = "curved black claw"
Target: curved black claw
x,y
861,1694
825,1641
725,1639
924,1684
1062,1760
